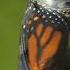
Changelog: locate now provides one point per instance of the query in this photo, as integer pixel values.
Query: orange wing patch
(39, 30)
(47, 52)
(32, 51)
(51, 49)
(46, 35)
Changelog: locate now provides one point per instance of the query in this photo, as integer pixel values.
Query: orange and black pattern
(43, 39)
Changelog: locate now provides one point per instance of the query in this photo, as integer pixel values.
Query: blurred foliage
(11, 14)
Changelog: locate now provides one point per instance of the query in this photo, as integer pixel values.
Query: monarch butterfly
(44, 39)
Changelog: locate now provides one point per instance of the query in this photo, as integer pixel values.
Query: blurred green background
(11, 14)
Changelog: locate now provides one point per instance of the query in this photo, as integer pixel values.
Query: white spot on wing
(36, 18)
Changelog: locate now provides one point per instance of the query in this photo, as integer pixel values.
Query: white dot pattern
(48, 15)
